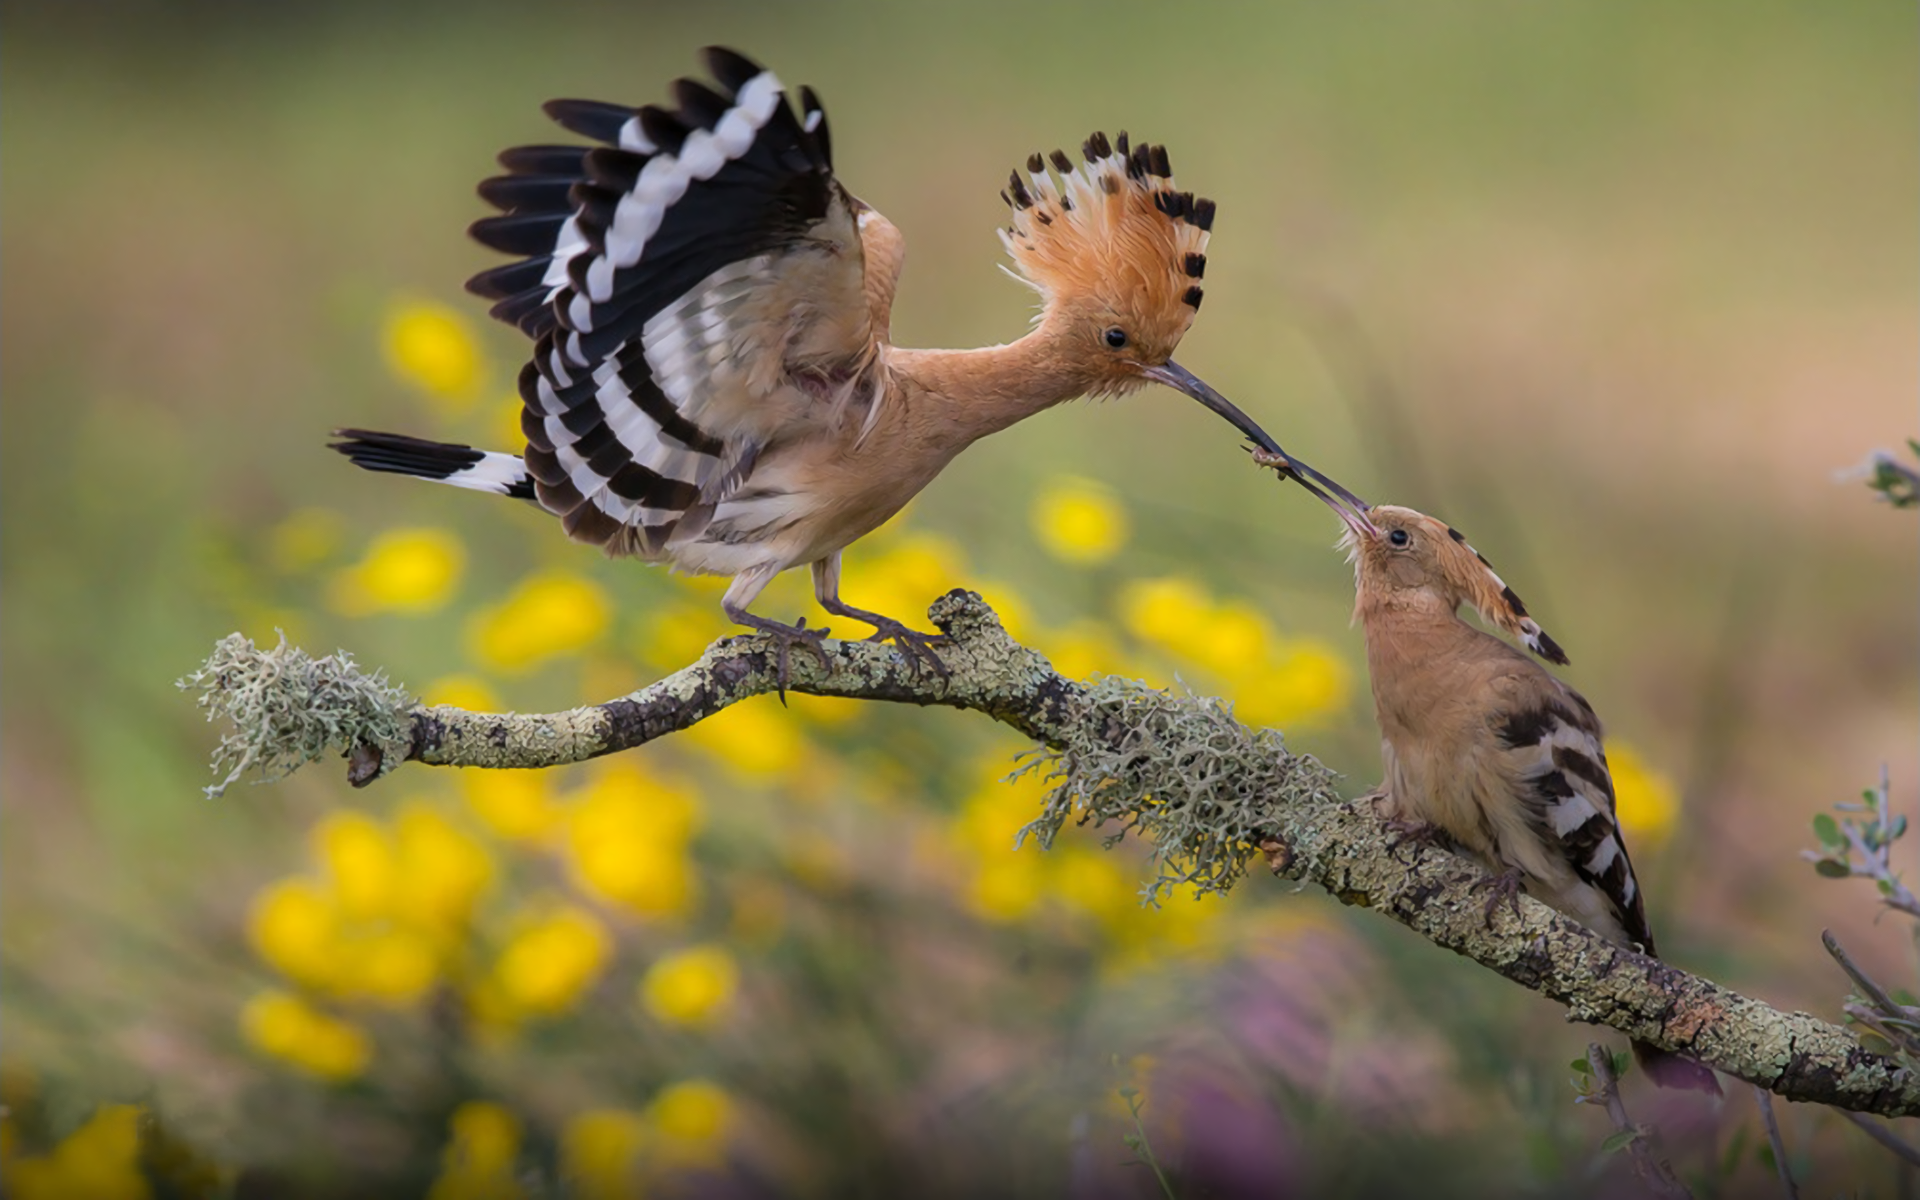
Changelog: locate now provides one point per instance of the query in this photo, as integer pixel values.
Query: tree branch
(1218, 789)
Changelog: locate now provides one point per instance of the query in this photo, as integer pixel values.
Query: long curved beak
(1268, 451)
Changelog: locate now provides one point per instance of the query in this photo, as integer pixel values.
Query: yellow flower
(626, 840)
(432, 347)
(691, 1120)
(1078, 521)
(754, 740)
(359, 858)
(1171, 612)
(1090, 882)
(549, 615)
(1233, 641)
(1007, 888)
(304, 539)
(392, 965)
(405, 570)
(463, 691)
(600, 1153)
(1301, 686)
(553, 959)
(691, 987)
(98, 1161)
(906, 575)
(478, 1163)
(1646, 802)
(1084, 649)
(675, 634)
(444, 869)
(516, 805)
(506, 420)
(295, 927)
(290, 1029)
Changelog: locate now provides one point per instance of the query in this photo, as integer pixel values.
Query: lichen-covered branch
(1207, 791)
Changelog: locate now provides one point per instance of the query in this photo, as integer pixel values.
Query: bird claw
(1418, 834)
(1506, 888)
(916, 647)
(784, 638)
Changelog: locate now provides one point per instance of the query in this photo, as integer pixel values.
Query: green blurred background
(1615, 288)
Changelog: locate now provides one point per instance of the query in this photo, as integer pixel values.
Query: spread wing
(1552, 732)
(694, 288)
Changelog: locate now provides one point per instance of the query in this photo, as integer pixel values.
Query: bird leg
(917, 647)
(741, 592)
(1504, 888)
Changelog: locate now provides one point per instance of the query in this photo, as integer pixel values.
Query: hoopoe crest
(713, 383)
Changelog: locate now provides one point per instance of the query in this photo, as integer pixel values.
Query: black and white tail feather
(660, 274)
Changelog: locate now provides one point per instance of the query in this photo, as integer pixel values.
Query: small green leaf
(1871, 796)
(1832, 868)
(1582, 1065)
(1828, 830)
(1619, 1140)
(1132, 1141)
(1622, 1063)
(1899, 828)
(1885, 886)
(1129, 1092)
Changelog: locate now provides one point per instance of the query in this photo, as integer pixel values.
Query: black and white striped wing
(694, 287)
(1554, 733)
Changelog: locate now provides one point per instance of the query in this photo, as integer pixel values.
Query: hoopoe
(1485, 745)
(712, 383)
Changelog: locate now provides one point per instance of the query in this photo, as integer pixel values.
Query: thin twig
(1652, 1168)
(1880, 1133)
(1774, 1140)
(1900, 1014)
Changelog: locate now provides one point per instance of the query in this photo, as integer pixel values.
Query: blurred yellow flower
(755, 740)
(691, 1120)
(1091, 883)
(516, 805)
(692, 987)
(295, 927)
(433, 348)
(1084, 649)
(463, 691)
(478, 1162)
(675, 634)
(1078, 521)
(549, 615)
(552, 960)
(304, 539)
(900, 576)
(1007, 888)
(358, 857)
(98, 1161)
(1646, 802)
(627, 835)
(1301, 686)
(392, 965)
(405, 570)
(600, 1154)
(1233, 641)
(288, 1028)
(1171, 612)
(444, 869)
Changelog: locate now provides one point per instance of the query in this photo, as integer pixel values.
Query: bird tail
(443, 462)
(1670, 1070)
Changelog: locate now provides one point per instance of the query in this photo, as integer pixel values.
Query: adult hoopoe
(712, 384)
(1482, 743)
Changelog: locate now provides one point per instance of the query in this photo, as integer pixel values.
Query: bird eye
(1399, 537)
(1116, 338)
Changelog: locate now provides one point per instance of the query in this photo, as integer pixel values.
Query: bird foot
(1402, 831)
(1504, 888)
(916, 647)
(785, 638)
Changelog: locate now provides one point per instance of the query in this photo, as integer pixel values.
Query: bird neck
(969, 394)
(1405, 628)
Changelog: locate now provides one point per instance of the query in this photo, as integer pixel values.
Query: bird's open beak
(1345, 506)
(1180, 379)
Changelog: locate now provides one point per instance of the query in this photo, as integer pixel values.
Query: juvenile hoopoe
(1485, 745)
(712, 383)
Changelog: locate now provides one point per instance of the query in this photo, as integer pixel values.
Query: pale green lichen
(288, 708)
(1199, 786)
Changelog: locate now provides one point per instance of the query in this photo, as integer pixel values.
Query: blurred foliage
(1610, 285)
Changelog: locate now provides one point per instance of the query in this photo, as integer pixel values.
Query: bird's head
(1399, 550)
(1117, 252)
